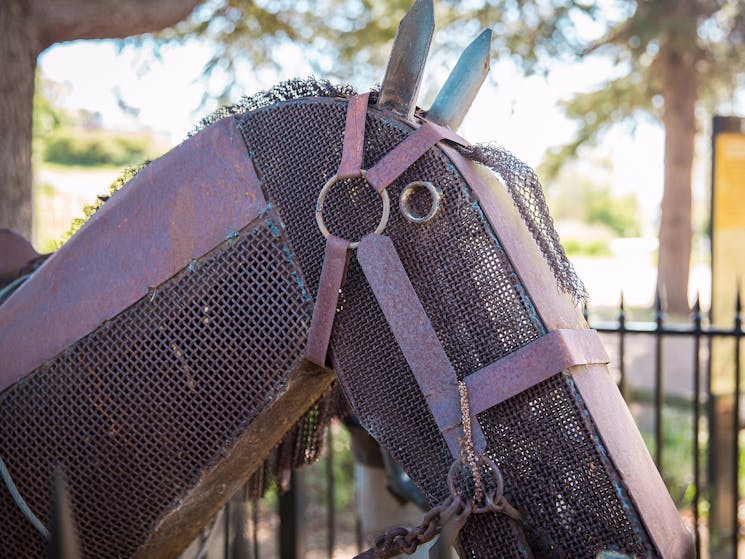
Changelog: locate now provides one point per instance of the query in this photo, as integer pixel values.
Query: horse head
(195, 320)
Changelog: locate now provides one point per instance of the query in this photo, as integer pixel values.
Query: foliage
(77, 146)
(677, 441)
(343, 37)
(592, 247)
(90, 209)
(583, 194)
(343, 472)
(47, 118)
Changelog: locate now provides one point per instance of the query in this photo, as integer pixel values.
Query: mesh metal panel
(473, 298)
(139, 408)
(558, 474)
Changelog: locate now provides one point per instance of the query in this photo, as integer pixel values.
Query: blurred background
(611, 101)
(577, 90)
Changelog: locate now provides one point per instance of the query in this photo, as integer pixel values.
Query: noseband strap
(557, 351)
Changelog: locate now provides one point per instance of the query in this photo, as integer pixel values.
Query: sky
(516, 112)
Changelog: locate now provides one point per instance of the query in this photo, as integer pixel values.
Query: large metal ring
(492, 497)
(406, 193)
(322, 198)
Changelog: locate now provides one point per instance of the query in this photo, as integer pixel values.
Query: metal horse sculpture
(194, 321)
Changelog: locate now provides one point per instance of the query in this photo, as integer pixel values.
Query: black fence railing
(715, 416)
(682, 381)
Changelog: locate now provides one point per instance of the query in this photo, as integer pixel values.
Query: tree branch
(67, 20)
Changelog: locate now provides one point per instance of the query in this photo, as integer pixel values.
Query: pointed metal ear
(63, 540)
(460, 89)
(400, 86)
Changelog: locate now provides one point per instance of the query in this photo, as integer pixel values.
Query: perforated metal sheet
(139, 411)
(476, 304)
(559, 474)
(136, 410)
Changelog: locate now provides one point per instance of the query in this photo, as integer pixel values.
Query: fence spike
(659, 312)
(697, 310)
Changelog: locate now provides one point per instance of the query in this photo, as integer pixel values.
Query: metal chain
(467, 452)
(400, 540)
(453, 511)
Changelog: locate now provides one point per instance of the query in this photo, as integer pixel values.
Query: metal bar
(696, 421)
(403, 76)
(710, 426)
(463, 83)
(330, 495)
(255, 527)
(226, 530)
(623, 387)
(651, 328)
(63, 538)
(291, 528)
(658, 388)
(736, 426)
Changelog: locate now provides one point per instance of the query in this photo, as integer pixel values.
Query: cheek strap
(382, 174)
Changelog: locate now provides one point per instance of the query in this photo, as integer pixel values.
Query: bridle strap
(405, 154)
(380, 176)
(332, 276)
(416, 337)
(336, 254)
(557, 351)
(354, 137)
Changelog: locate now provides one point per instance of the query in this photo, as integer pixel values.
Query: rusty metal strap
(332, 275)
(354, 137)
(416, 337)
(405, 154)
(533, 363)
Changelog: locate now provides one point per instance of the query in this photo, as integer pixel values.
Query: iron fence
(711, 500)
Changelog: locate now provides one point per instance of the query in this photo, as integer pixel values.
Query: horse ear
(403, 76)
(463, 83)
(63, 539)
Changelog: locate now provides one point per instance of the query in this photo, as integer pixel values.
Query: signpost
(727, 275)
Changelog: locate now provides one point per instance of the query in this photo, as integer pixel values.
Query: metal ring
(322, 198)
(406, 193)
(493, 497)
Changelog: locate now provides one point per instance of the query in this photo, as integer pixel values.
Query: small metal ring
(322, 198)
(492, 497)
(406, 193)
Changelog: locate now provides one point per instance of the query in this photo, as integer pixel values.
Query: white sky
(519, 113)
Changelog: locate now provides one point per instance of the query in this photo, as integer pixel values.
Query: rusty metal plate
(174, 210)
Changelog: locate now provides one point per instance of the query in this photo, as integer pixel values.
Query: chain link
(402, 540)
(454, 510)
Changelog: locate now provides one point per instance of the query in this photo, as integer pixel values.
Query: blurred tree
(669, 55)
(27, 27)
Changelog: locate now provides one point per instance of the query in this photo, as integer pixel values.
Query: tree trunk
(27, 27)
(680, 88)
(18, 63)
